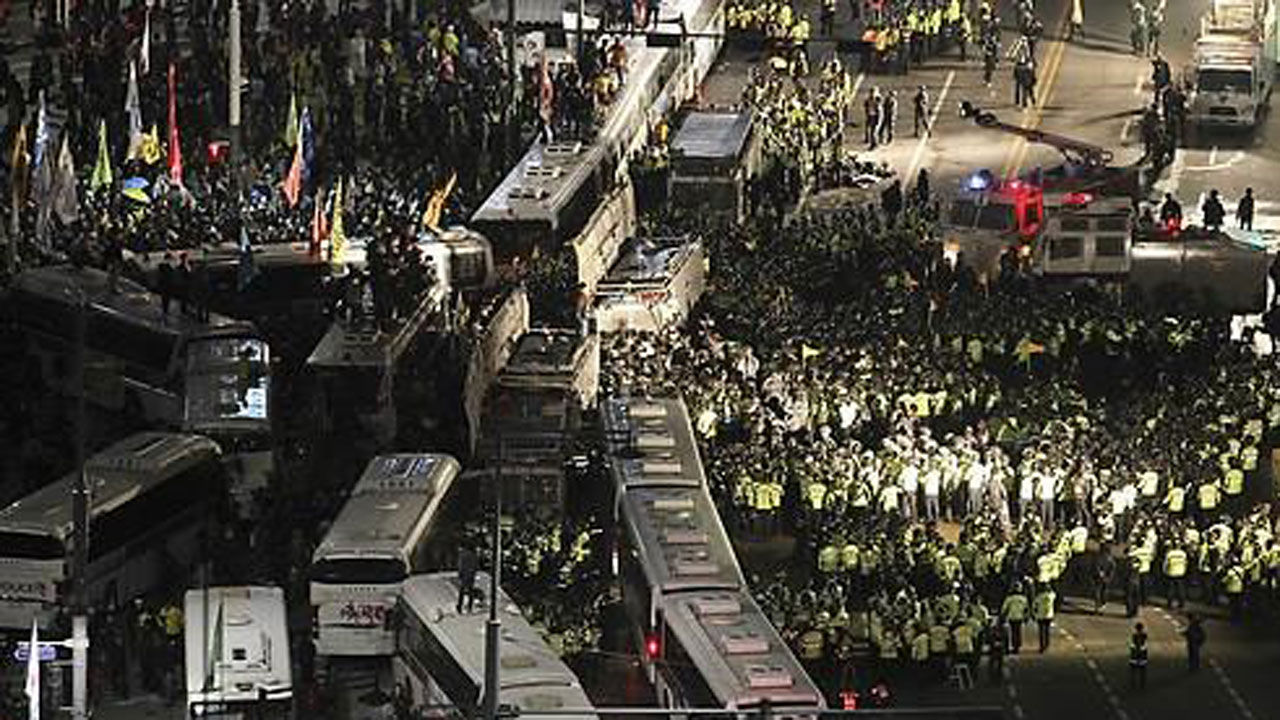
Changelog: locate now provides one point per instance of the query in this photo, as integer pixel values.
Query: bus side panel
(28, 588)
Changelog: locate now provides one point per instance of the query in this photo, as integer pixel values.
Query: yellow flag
(102, 168)
(337, 236)
(807, 352)
(291, 123)
(151, 152)
(435, 205)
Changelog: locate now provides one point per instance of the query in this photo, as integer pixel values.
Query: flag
(102, 168)
(291, 123)
(33, 673)
(150, 147)
(1026, 348)
(18, 161)
(307, 141)
(42, 134)
(546, 93)
(247, 270)
(175, 145)
(435, 206)
(133, 109)
(337, 237)
(66, 200)
(806, 352)
(302, 155)
(319, 225)
(146, 42)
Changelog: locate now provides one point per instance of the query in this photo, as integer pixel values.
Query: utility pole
(80, 547)
(234, 80)
(493, 629)
(513, 108)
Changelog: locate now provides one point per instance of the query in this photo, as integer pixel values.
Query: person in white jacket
(1077, 20)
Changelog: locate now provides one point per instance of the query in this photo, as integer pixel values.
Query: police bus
(211, 378)
(357, 363)
(440, 653)
(150, 496)
(706, 643)
(394, 524)
(569, 193)
(237, 653)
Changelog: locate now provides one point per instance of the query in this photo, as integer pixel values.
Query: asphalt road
(1092, 89)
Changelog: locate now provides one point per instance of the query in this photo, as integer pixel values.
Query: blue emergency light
(981, 180)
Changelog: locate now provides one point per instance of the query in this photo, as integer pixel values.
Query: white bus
(150, 496)
(211, 378)
(704, 641)
(394, 524)
(237, 654)
(440, 652)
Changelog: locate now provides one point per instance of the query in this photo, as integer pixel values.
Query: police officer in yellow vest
(1233, 488)
(1208, 496)
(1042, 610)
(1233, 586)
(1014, 612)
(1175, 574)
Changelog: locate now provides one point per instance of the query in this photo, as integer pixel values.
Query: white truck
(1233, 66)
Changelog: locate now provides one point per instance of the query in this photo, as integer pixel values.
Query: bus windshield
(31, 547)
(1224, 80)
(357, 571)
(227, 378)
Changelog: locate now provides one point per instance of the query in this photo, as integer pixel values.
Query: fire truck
(1076, 222)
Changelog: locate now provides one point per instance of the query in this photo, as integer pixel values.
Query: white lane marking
(918, 155)
(1235, 157)
(1138, 83)
(1018, 713)
(1124, 131)
(1213, 155)
(1011, 691)
(857, 85)
(1231, 689)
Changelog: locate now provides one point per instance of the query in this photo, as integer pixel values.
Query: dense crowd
(852, 386)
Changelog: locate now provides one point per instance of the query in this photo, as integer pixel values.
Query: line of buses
(380, 588)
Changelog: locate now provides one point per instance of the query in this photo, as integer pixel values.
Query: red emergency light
(1078, 198)
(217, 152)
(652, 648)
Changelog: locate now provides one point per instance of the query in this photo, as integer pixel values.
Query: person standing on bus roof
(467, 562)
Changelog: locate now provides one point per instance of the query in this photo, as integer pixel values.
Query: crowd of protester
(854, 387)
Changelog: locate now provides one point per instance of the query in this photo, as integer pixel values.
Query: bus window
(1113, 224)
(1066, 248)
(996, 217)
(1110, 245)
(963, 213)
(1075, 224)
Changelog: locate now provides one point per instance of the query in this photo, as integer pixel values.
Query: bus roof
(738, 652)
(533, 676)
(64, 283)
(680, 540)
(648, 261)
(237, 643)
(712, 135)
(540, 186)
(115, 475)
(396, 498)
(362, 344)
(651, 444)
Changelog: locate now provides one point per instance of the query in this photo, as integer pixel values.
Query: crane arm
(1076, 152)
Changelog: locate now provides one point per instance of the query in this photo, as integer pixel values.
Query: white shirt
(910, 478)
(932, 483)
(1027, 488)
(1047, 486)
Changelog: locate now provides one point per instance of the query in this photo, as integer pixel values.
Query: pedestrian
(1077, 20)
(827, 18)
(1171, 213)
(997, 646)
(1042, 609)
(1212, 211)
(467, 565)
(1195, 636)
(1138, 658)
(888, 117)
(1104, 571)
(1244, 210)
(1014, 613)
(164, 282)
(920, 106)
(871, 109)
